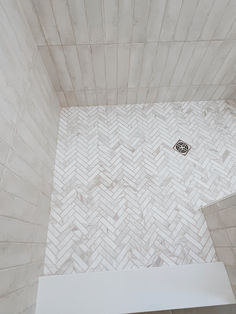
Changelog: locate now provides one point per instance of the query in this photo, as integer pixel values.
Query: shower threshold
(143, 290)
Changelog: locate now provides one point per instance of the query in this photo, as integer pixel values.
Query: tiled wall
(221, 221)
(136, 51)
(28, 130)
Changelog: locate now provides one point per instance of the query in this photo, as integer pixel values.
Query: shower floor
(123, 198)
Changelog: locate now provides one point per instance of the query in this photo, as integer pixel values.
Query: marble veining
(123, 198)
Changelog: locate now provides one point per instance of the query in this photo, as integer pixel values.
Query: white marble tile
(124, 199)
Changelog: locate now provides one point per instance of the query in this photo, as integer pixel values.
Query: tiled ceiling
(136, 51)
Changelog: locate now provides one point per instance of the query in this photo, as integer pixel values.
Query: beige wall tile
(232, 235)
(226, 255)
(220, 238)
(221, 220)
(29, 114)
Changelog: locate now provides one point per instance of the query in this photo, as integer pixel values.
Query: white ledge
(150, 289)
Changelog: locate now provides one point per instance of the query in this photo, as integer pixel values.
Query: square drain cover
(182, 147)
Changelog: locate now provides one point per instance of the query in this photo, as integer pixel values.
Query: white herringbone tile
(124, 199)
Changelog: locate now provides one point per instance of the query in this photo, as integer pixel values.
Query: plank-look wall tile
(216, 62)
(98, 57)
(79, 21)
(63, 21)
(111, 96)
(226, 21)
(156, 15)
(135, 64)
(111, 62)
(149, 54)
(33, 20)
(213, 19)
(110, 19)
(125, 21)
(58, 55)
(174, 51)
(85, 58)
(170, 20)
(159, 63)
(135, 45)
(199, 19)
(95, 20)
(29, 114)
(196, 58)
(91, 97)
(50, 66)
(73, 67)
(185, 18)
(102, 96)
(47, 21)
(140, 20)
(183, 62)
(81, 98)
(123, 65)
(227, 72)
(71, 98)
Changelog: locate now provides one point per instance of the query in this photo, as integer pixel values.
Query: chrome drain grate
(182, 147)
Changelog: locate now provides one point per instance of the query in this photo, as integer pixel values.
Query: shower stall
(117, 156)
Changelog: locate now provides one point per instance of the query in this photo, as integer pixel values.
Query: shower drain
(182, 147)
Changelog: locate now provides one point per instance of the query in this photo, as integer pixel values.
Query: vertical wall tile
(199, 19)
(182, 63)
(195, 61)
(125, 22)
(121, 96)
(171, 17)
(47, 21)
(79, 21)
(123, 65)
(142, 95)
(157, 11)
(102, 97)
(149, 54)
(98, 56)
(111, 21)
(140, 17)
(73, 65)
(187, 11)
(33, 21)
(63, 21)
(85, 58)
(81, 98)
(111, 65)
(91, 97)
(132, 96)
(174, 52)
(61, 66)
(29, 112)
(135, 64)
(71, 98)
(213, 19)
(211, 52)
(159, 64)
(225, 75)
(226, 21)
(112, 96)
(216, 62)
(95, 20)
(50, 66)
(62, 99)
(151, 94)
(132, 44)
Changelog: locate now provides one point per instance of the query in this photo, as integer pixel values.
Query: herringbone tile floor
(124, 199)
